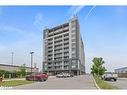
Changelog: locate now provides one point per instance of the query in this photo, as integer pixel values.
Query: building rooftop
(121, 68)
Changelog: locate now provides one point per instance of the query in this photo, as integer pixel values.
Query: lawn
(103, 84)
(15, 83)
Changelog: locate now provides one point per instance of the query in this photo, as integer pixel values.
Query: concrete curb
(96, 84)
(14, 79)
(52, 77)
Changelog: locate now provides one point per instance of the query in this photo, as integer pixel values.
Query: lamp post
(31, 53)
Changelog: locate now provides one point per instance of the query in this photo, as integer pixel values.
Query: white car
(64, 75)
(60, 75)
(109, 76)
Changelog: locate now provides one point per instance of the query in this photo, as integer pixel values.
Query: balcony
(66, 46)
(58, 43)
(58, 68)
(58, 37)
(66, 57)
(66, 29)
(58, 58)
(49, 57)
(59, 64)
(66, 67)
(66, 64)
(58, 55)
(58, 47)
(50, 33)
(50, 40)
(66, 54)
(58, 32)
(66, 35)
(49, 65)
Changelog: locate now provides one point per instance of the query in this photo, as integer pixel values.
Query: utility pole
(12, 58)
(35, 67)
(31, 53)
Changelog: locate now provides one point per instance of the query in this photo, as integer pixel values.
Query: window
(73, 49)
(73, 30)
(73, 23)
(73, 40)
(73, 35)
(73, 55)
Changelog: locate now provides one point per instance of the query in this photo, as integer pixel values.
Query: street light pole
(31, 53)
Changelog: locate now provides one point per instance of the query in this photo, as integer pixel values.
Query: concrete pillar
(78, 72)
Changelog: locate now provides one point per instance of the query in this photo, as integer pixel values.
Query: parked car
(71, 75)
(64, 75)
(109, 76)
(60, 75)
(37, 77)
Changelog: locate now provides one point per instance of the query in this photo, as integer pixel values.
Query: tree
(4, 73)
(22, 70)
(97, 67)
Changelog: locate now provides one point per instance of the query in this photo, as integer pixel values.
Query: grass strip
(103, 84)
(15, 83)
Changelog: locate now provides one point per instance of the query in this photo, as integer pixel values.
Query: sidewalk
(50, 77)
(14, 79)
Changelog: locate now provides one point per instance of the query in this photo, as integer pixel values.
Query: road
(121, 83)
(76, 82)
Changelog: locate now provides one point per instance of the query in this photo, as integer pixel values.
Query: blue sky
(103, 28)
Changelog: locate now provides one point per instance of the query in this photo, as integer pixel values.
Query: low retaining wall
(122, 75)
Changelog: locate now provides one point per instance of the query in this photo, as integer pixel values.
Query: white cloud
(38, 19)
(88, 14)
(74, 10)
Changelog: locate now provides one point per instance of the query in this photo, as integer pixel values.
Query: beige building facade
(63, 49)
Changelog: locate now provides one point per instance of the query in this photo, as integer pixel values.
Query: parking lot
(121, 83)
(76, 82)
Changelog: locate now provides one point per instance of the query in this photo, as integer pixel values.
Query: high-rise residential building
(63, 49)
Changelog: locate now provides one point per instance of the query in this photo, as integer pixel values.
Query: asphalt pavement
(121, 83)
(76, 82)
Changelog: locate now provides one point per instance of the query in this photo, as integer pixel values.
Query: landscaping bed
(15, 83)
(103, 84)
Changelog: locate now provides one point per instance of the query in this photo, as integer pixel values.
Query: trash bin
(1, 79)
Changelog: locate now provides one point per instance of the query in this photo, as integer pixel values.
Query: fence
(122, 75)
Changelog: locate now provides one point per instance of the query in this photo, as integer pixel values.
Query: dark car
(37, 77)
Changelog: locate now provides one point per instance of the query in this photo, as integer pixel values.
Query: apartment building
(63, 49)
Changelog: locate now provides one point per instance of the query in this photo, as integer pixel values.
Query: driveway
(120, 83)
(77, 82)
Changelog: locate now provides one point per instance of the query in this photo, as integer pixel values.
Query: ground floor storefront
(75, 72)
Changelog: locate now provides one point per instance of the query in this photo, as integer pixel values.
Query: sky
(103, 29)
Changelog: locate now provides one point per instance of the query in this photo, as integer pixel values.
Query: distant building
(13, 68)
(121, 70)
(63, 49)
